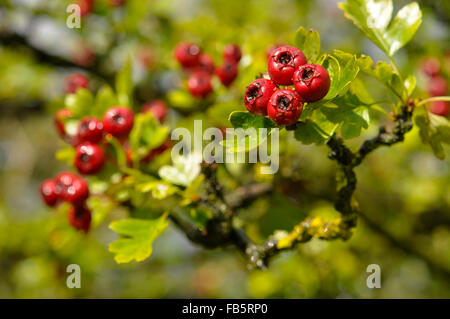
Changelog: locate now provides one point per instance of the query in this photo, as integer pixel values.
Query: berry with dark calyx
(48, 192)
(80, 218)
(75, 81)
(431, 67)
(282, 64)
(118, 121)
(71, 188)
(232, 53)
(227, 72)
(89, 158)
(90, 130)
(199, 84)
(257, 96)
(284, 107)
(187, 54)
(59, 117)
(206, 63)
(157, 107)
(272, 48)
(437, 86)
(312, 82)
(441, 108)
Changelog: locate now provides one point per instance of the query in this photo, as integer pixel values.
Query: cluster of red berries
(287, 66)
(70, 188)
(89, 150)
(201, 67)
(437, 86)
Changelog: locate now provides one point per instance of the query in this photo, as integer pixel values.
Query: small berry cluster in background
(437, 86)
(90, 150)
(86, 6)
(70, 188)
(200, 67)
(287, 66)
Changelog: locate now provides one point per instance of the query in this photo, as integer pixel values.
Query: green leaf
(318, 129)
(372, 17)
(124, 85)
(308, 41)
(403, 28)
(80, 103)
(119, 151)
(249, 139)
(410, 84)
(434, 130)
(160, 190)
(137, 238)
(341, 77)
(181, 99)
(184, 170)
(147, 134)
(104, 100)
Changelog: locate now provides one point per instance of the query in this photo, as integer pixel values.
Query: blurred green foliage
(404, 192)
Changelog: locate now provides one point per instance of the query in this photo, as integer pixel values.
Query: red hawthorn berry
(284, 107)
(312, 82)
(282, 64)
(206, 63)
(441, 108)
(157, 107)
(85, 6)
(227, 72)
(118, 121)
(71, 188)
(187, 54)
(232, 53)
(80, 218)
(89, 158)
(58, 119)
(157, 151)
(90, 130)
(431, 67)
(257, 96)
(48, 192)
(75, 81)
(199, 84)
(437, 86)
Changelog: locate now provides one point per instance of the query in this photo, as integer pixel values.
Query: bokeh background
(404, 192)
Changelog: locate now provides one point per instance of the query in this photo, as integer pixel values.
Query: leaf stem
(433, 99)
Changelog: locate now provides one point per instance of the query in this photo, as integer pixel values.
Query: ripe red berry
(284, 107)
(71, 188)
(431, 67)
(271, 48)
(199, 84)
(80, 218)
(157, 107)
(312, 82)
(90, 130)
(48, 192)
(187, 54)
(437, 86)
(441, 108)
(89, 158)
(283, 62)
(75, 81)
(257, 96)
(59, 117)
(227, 72)
(206, 63)
(85, 6)
(232, 53)
(118, 121)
